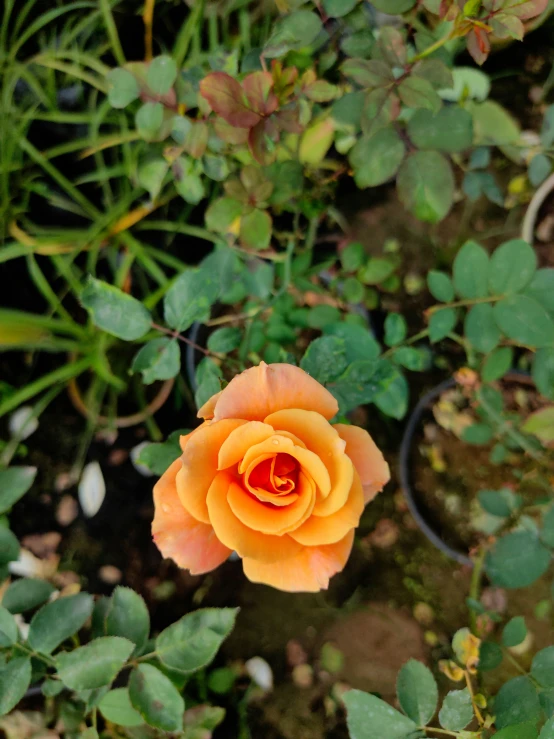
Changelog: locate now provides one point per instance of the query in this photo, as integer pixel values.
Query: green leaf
(542, 667)
(369, 74)
(358, 341)
(392, 395)
(393, 7)
(518, 731)
(470, 271)
(396, 329)
(224, 340)
(547, 731)
(469, 83)
(338, 8)
(441, 323)
(416, 92)
(353, 256)
(291, 32)
(477, 433)
(157, 457)
(9, 633)
(501, 502)
(376, 271)
(156, 699)
(425, 185)
(497, 364)
(222, 213)
(190, 298)
(524, 320)
(511, 267)
(114, 311)
(414, 359)
(9, 546)
(490, 656)
(14, 681)
(436, 72)
(517, 560)
(26, 594)
(159, 359)
(95, 664)
(14, 483)
(353, 291)
(492, 125)
(205, 390)
(149, 119)
(440, 286)
(325, 358)
(517, 702)
(161, 75)
(450, 130)
(417, 692)
(123, 87)
(480, 328)
(192, 642)
(538, 170)
(541, 424)
(514, 632)
(116, 707)
(57, 621)
(151, 176)
(190, 187)
(222, 680)
(541, 288)
(127, 616)
(368, 717)
(375, 159)
(543, 372)
(255, 229)
(456, 711)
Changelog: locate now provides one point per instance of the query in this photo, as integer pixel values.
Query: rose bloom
(267, 476)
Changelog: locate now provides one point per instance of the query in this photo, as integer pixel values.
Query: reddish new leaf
(478, 44)
(258, 88)
(226, 98)
(523, 9)
(230, 134)
(260, 142)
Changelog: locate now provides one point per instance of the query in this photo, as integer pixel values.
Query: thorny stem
(180, 337)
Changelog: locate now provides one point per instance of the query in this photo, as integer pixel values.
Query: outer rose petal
(329, 529)
(207, 410)
(262, 390)
(245, 541)
(307, 572)
(370, 464)
(199, 465)
(178, 536)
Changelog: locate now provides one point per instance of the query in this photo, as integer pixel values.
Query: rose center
(276, 476)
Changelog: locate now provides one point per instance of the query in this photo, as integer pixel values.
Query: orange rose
(266, 475)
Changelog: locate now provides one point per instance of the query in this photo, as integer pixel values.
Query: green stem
(112, 32)
(431, 49)
(47, 660)
(187, 33)
(44, 288)
(412, 340)
(475, 586)
(181, 228)
(62, 374)
(461, 303)
(514, 662)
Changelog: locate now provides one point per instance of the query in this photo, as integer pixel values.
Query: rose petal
(322, 439)
(178, 536)
(264, 389)
(307, 460)
(207, 410)
(329, 529)
(269, 519)
(199, 465)
(370, 464)
(237, 536)
(239, 442)
(307, 572)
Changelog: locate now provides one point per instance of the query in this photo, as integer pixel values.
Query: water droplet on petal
(276, 442)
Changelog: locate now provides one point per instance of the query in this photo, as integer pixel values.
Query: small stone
(117, 456)
(303, 676)
(260, 673)
(64, 481)
(67, 510)
(494, 599)
(110, 574)
(296, 655)
(385, 535)
(424, 614)
(42, 544)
